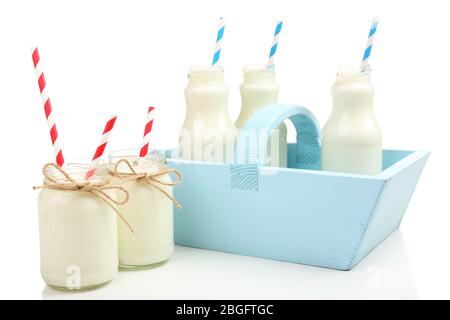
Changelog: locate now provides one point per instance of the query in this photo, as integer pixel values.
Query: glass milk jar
(149, 209)
(208, 133)
(78, 229)
(351, 138)
(260, 89)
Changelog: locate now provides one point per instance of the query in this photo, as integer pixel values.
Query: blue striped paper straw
(373, 30)
(219, 41)
(274, 47)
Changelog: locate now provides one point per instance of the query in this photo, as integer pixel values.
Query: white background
(106, 57)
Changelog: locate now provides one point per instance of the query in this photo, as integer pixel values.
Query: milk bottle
(149, 209)
(208, 132)
(258, 90)
(77, 230)
(351, 138)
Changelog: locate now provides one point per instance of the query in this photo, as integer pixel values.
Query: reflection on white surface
(200, 274)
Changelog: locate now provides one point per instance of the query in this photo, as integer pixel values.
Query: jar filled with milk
(149, 208)
(351, 138)
(208, 133)
(258, 90)
(78, 226)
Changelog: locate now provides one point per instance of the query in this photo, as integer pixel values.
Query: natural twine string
(150, 178)
(99, 189)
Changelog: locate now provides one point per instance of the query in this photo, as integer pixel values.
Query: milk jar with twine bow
(78, 225)
(149, 208)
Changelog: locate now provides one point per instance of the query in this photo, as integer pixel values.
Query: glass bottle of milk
(351, 138)
(77, 231)
(208, 133)
(148, 210)
(258, 90)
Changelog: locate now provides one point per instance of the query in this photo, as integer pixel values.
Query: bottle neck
(206, 93)
(258, 89)
(353, 90)
(355, 96)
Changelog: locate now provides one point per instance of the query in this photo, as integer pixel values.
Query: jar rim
(153, 159)
(77, 169)
(353, 70)
(206, 72)
(250, 68)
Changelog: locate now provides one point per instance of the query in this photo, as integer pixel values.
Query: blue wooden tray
(297, 214)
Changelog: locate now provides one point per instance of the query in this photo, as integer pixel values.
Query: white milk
(258, 90)
(78, 236)
(351, 139)
(148, 211)
(208, 133)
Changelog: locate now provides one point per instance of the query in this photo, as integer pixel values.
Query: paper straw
(274, 47)
(101, 146)
(47, 107)
(219, 41)
(147, 130)
(373, 30)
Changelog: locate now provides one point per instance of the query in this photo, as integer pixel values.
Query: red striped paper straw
(101, 146)
(47, 107)
(148, 129)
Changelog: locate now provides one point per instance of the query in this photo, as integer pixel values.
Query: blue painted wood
(399, 182)
(259, 127)
(298, 214)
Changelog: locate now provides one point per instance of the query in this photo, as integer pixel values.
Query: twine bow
(98, 189)
(149, 178)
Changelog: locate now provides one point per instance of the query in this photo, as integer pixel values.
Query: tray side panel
(389, 211)
(291, 216)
